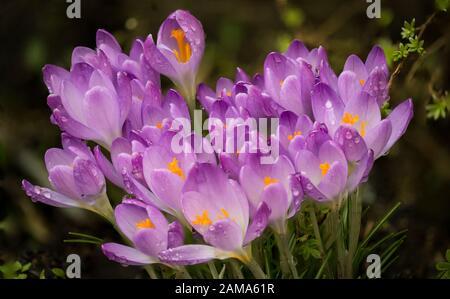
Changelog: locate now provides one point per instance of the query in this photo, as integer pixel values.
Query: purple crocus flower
(165, 173)
(74, 176)
(289, 82)
(371, 77)
(323, 170)
(109, 58)
(148, 231)
(218, 209)
(317, 59)
(125, 154)
(273, 184)
(292, 132)
(363, 113)
(178, 50)
(86, 103)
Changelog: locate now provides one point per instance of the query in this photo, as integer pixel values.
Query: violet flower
(148, 231)
(371, 77)
(75, 178)
(178, 51)
(363, 113)
(86, 103)
(275, 185)
(218, 209)
(289, 82)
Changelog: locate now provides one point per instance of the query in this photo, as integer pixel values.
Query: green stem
(236, 269)
(183, 272)
(151, 271)
(287, 262)
(213, 270)
(256, 270)
(312, 213)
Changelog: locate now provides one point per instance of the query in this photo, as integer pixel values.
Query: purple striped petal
(126, 255)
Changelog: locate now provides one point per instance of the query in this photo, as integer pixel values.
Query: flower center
(202, 219)
(183, 54)
(350, 119)
(268, 180)
(175, 168)
(158, 125)
(362, 82)
(146, 223)
(324, 167)
(296, 133)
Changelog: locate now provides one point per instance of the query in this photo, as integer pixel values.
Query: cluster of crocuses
(330, 132)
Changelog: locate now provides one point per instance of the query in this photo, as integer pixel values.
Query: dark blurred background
(238, 33)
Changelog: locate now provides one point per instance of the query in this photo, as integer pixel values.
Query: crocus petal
(296, 50)
(141, 192)
(206, 96)
(351, 142)
(72, 100)
(311, 190)
(166, 186)
(348, 86)
(129, 214)
(47, 196)
(157, 60)
(225, 234)
(190, 255)
(175, 235)
(308, 165)
(258, 224)
(377, 85)
(57, 156)
(150, 241)
(102, 113)
(107, 43)
(73, 127)
(326, 105)
(53, 77)
(62, 179)
(360, 168)
(399, 118)
(334, 181)
(126, 255)
(107, 168)
(376, 58)
(88, 178)
(378, 137)
(355, 65)
(276, 197)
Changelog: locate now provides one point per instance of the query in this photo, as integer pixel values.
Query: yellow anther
(362, 81)
(362, 132)
(174, 168)
(228, 93)
(350, 119)
(146, 223)
(183, 54)
(268, 180)
(296, 133)
(202, 219)
(158, 125)
(324, 167)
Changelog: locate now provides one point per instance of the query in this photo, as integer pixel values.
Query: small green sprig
(412, 43)
(444, 267)
(15, 270)
(439, 108)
